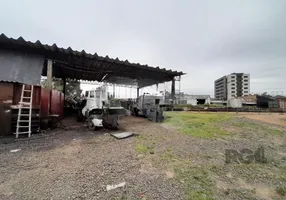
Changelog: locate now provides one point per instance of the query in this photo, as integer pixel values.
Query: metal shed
(68, 63)
(25, 62)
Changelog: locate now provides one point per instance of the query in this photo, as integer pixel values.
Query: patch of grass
(203, 125)
(281, 176)
(168, 157)
(281, 191)
(273, 131)
(141, 137)
(141, 148)
(252, 126)
(197, 183)
(246, 125)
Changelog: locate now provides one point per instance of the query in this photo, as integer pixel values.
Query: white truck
(148, 106)
(97, 109)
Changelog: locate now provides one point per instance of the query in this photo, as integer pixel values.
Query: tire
(90, 124)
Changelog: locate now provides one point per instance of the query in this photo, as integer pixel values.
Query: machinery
(97, 109)
(148, 106)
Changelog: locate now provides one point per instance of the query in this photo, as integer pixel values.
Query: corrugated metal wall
(6, 100)
(52, 102)
(57, 103)
(45, 102)
(21, 67)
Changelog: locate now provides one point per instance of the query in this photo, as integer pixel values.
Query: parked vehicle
(148, 106)
(97, 109)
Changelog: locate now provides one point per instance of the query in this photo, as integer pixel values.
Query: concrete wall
(208, 100)
(220, 88)
(192, 102)
(234, 103)
(193, 99)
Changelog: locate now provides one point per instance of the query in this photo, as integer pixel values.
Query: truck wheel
(90, 124)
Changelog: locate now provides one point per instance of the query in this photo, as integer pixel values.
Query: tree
(72, 87)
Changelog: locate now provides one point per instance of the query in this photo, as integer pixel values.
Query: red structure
(46, 101)
(52, 102)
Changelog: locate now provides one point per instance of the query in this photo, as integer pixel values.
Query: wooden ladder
(26, 103)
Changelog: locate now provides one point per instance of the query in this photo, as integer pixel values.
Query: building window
(245, 77)
(246, 88)
(97, 94)
(91, 95)
(232, 76)
(232, 84)
(233, 88)
(246, 84)
(232, 91)
(245, 80)
(232, 80)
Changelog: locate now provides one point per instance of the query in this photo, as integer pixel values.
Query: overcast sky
(204, 38)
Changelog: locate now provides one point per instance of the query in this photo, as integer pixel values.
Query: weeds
(197, 183)
(141, 148)
(281, 191)
(202, 125)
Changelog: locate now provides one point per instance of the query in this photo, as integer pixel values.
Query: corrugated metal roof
(72, 64)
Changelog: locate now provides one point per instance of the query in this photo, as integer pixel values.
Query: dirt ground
(272, 118)
(160, 162)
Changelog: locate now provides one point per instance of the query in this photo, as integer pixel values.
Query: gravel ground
(79, 163)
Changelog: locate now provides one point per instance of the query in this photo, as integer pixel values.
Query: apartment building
(231, 86)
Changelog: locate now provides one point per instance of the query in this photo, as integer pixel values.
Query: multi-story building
(231, 86)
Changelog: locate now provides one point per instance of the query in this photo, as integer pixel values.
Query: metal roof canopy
(68, 63)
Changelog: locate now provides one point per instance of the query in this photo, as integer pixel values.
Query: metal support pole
(173, 91)
(157, 87)
(138, 92)
(64, 89)
(50, 74)
(113, 91)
